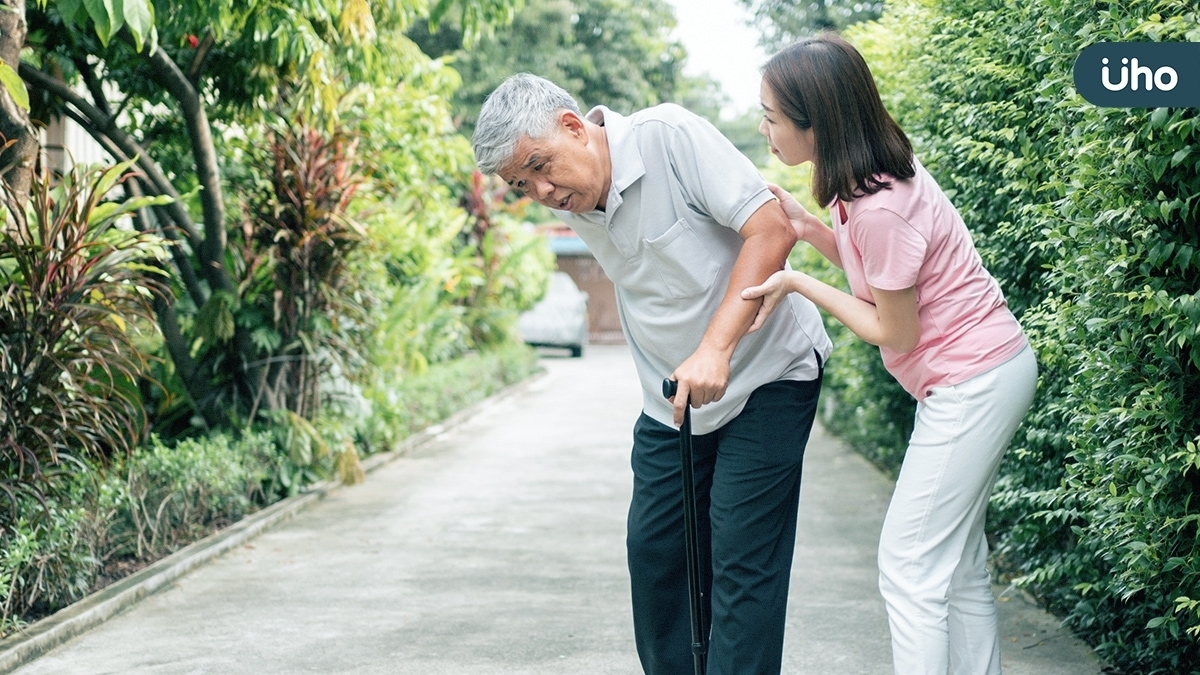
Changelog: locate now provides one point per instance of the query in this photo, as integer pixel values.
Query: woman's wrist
(795, 281)
(810, 224)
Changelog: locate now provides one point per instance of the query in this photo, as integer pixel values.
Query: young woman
(921, 294)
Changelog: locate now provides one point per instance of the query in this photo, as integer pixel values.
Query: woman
(921, 294)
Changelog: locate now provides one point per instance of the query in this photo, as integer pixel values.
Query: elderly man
(681, 222)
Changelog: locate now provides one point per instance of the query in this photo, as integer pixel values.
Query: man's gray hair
(523, 105)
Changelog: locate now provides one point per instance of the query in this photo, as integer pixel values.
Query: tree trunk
(18, 160)
(204, 153)
(212, 253)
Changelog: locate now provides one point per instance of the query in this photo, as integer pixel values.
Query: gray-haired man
(681, 222)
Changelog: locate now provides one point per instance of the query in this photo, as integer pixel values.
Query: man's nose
(544, 189)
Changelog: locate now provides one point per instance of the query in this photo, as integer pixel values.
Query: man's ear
(572, 124)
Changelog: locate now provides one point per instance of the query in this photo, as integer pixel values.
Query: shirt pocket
(682, 261)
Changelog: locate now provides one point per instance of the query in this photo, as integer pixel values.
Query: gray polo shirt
(668, 239)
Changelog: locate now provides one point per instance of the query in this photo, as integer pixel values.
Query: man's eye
(539, 167)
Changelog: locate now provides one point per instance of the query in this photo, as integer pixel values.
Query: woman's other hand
(771, 291)
(796, 214)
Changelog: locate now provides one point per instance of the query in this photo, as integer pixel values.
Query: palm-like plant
(290, 256)
(75, 285)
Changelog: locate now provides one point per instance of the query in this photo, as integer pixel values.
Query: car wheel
(576, 351)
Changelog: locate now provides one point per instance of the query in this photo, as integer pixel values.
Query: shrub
(409, 404)
(74, 285)
(100, 523)
(44, 563)
(164, 497)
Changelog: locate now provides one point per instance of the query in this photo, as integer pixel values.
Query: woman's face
(791, 145)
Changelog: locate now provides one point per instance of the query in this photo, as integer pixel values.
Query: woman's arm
(809, 228)
(891, 322)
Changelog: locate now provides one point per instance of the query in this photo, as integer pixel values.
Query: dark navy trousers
(747, 476)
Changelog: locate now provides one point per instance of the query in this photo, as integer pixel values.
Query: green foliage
(448, 262)
(14, 85)
(305, 455)
(101, 522)
(611, 52)
(405, 404)
(784, 21)
(108, 18)
(1088, 217)
(44, 564)
(74, 286)
(422, 322)
(164, 497)
(446, 292)
(215, 74)
(477, 17)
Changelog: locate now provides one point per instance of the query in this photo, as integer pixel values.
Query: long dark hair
(823, 83)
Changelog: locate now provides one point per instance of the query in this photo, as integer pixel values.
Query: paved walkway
(499, 548)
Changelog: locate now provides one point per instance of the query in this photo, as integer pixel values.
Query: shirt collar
(623, 153)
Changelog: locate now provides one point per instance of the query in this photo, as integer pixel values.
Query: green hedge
(100, 523)
(1088, 217)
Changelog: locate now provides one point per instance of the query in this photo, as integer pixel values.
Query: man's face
(562, 171)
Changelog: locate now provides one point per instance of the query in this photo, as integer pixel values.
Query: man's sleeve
(717, 178)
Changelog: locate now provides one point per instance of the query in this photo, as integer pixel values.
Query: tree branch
(182, 262)
(104, 141)
(92, 84)
(212, 257)
(100, 125)
(202, 50)
(204, 152)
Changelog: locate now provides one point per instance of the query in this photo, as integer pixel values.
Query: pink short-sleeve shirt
(911, 235)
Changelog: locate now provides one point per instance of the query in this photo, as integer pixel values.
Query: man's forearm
(764, 252)
(767, 238)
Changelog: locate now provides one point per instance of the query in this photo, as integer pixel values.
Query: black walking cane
(699, 646)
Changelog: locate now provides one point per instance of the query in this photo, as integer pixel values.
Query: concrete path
(499, 548)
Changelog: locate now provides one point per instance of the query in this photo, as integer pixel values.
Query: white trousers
(932, 551)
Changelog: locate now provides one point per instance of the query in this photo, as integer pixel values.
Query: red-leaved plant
(75, 286)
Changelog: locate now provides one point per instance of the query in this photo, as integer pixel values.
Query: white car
(560, 319)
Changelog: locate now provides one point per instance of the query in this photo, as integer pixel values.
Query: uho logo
(1140, 74)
